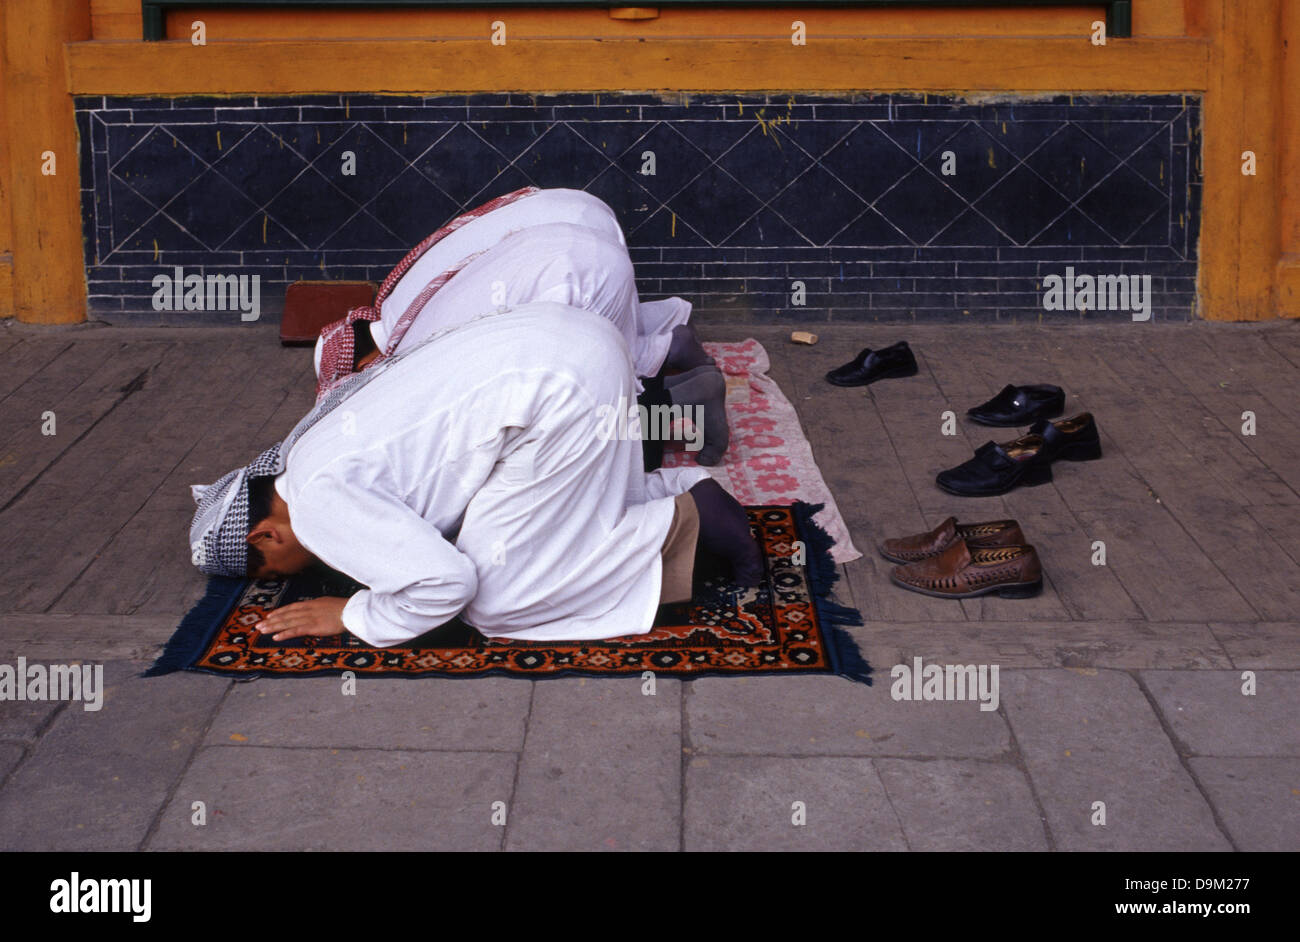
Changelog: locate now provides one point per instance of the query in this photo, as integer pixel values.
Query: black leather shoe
(1073, 439)
(871, 365)
(996, 469)
(1020, 405)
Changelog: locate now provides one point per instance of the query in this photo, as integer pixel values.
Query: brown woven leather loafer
(1013, 572)
(913, 549)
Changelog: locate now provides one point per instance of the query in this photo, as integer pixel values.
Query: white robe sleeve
(417, 580)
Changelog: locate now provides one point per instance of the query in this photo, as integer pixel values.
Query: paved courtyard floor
(1160, 689)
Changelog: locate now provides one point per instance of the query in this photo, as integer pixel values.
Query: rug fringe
(823, 573)
(198, 626)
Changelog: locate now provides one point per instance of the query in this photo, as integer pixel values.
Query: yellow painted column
(1240, 224)
(1288, 269)
(6, 232)
(49, 279)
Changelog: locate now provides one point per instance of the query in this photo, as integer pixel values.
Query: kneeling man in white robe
(476, 475)
(548, 245)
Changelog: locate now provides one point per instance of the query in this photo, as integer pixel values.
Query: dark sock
(685, 352)
(707, 388)
(724, 532)
(652, 452)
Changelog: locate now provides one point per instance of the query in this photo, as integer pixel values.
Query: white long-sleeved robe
(559, 262)
(558, 245)
(478, 475)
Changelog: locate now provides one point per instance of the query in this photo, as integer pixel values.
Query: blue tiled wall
(750, 194)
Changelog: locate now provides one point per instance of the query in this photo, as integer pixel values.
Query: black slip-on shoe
(1020, 405)
(1072, 439)
(996, 469)
(871, 365)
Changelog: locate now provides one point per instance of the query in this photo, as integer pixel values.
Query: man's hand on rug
(320, 617)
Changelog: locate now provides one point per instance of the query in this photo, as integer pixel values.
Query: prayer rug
(787, 625)
(769, 460)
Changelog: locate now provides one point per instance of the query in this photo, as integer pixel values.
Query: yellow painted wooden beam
(49, 280)
(6, 229)
(1015, 65)
(1240, 225)
(1288, 286)
(1289, 131)
(6, 285)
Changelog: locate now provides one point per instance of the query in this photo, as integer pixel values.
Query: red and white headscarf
(338, 346)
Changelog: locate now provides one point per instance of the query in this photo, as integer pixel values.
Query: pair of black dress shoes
(1027, 461)
(871, 365)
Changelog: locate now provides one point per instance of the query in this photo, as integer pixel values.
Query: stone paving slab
(1258, 799)
(64, 638)
(1210, 715)
(1090, 736)
(1261, 645)
(96, 780)
(834, 716)
(10, 755)
(1013, 644)
(22, 720)
(485, 714)
(963, 805)
(739, 803)
(337, 799)
(601, 769)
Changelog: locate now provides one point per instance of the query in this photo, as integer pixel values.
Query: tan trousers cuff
(678, 553)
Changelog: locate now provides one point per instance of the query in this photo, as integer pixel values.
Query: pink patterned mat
(769, 460)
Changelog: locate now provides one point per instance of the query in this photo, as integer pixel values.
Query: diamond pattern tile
(1122, 202)
(1022, 204)
(921, 139)
(459, 163)
(1072, 162)
(817, 205)
(259, 166)
(562, 158)
(714, 204)
(980, 161)
(815, 138)
(312, 208)
(970, 228)
(210, 209)
(744, 176)
(920, 205)
(148, 168)
(676, 161)
(766, 165)
(868, 161)
(373, 164)
(412, 207)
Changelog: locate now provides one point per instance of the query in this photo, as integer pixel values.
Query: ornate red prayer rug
(787, 625)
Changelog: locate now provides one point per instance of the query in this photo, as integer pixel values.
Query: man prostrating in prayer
(535, 245)
(474, 475)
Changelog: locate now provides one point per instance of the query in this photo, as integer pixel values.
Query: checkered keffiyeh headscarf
(219, 531)
(338, 346)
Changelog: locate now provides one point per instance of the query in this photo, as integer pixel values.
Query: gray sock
(705, 387)
(685, 352)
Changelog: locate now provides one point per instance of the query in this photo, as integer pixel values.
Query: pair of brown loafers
(963, 560)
